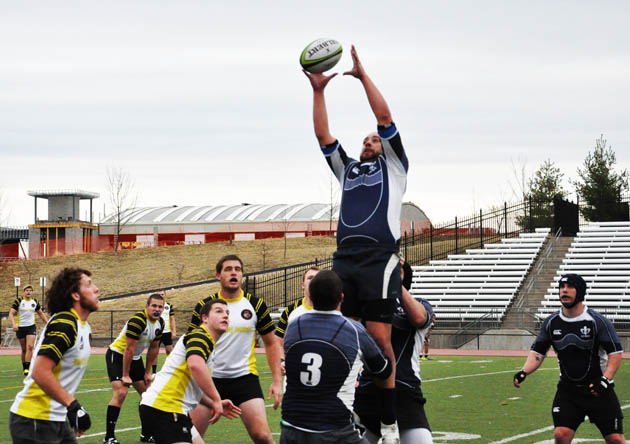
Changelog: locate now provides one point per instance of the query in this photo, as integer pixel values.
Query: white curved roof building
(240, 221)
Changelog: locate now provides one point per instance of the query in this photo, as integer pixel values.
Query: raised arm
(375, 98)
(320, 115)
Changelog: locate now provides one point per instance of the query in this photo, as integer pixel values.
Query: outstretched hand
(357, 69)
(318, 81)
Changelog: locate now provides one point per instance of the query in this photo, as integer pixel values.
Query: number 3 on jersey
(312, 375)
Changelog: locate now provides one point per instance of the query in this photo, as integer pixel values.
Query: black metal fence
(282, 286)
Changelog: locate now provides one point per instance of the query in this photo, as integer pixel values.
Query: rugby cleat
(110, 441)
(146, 438)
(389, 433)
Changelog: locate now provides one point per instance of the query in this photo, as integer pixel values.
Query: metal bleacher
(481, 283)
(600, 253)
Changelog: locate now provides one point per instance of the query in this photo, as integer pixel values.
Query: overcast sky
(204, 101)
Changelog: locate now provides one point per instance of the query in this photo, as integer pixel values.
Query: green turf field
(470, 400)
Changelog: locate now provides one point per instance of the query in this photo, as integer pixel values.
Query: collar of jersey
(74, 312)
(240, 296)
(209, 334)
(330, 312)
(580, 317)
(148, 318)
(308, 307)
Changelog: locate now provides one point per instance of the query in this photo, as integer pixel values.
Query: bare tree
(520, 179)
(122, 198)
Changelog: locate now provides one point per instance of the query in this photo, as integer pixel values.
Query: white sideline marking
(455, 396)
(535, 432)
(514, 398)
(102, 433)
(480, 374)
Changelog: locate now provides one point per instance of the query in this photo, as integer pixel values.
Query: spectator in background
(25, 328)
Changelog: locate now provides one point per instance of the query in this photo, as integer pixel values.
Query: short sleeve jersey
(169, 311)
(582, 344)
(291, 313)
(65, 340)
(323, 356)
(141, 328)
(234, 353)
(25, 309)
(371, 192)
(174, 390)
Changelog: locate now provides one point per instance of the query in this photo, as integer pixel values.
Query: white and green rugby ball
(321, 55)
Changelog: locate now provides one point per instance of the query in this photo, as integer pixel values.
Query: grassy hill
(150, 268)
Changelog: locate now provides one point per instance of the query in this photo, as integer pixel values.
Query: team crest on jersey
(557, 332)
(585, 331)
(246, 314)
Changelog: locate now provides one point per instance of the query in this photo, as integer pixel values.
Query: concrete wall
(504, 339)
(34, 237)
(63, 207)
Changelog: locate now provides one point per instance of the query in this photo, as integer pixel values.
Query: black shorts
(166, 427)
(348, 434)
(26, 331)
(27, 431)
(240, 389)
(167, 339)
(409, 408)
(115, 364)
(371, 282)
(571, 405)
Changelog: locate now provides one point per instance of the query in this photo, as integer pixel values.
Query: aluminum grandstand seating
(480, 283)
(601, 255)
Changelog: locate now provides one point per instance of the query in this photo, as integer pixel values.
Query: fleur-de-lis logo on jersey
(585, 331)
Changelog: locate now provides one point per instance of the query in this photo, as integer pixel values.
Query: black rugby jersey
(581, 343)
(324, 351)
(407, 342)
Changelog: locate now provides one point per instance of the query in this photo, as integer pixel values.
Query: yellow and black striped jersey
(234, 353)
(140, 328)
(65, 340)
(169, 311)
(174, 390)
(290, 313)
(25, 309)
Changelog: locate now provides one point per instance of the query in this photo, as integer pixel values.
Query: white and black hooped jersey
(169, 311)
(371, 192)
(65, 340)
(291, 313)
(140, 328)
(324, 352)
(582, 344)
(407, 342)
(234, 353)
(25, 309)
(174, 390)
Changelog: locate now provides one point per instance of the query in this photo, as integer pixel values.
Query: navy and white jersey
(371, 192)
(582, 344)
(324, 352)
(407, 342)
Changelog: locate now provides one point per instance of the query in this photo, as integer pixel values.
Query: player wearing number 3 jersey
(324, 352)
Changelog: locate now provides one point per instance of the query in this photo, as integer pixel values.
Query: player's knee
(262, 437)
(615, 438)
(562, 435)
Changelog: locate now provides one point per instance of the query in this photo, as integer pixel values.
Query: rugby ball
(321, 55)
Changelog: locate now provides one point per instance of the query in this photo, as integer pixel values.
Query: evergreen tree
(542, 188)
(600, 186)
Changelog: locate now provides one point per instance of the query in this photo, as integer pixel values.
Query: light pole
(17, 281)
(42, 283)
